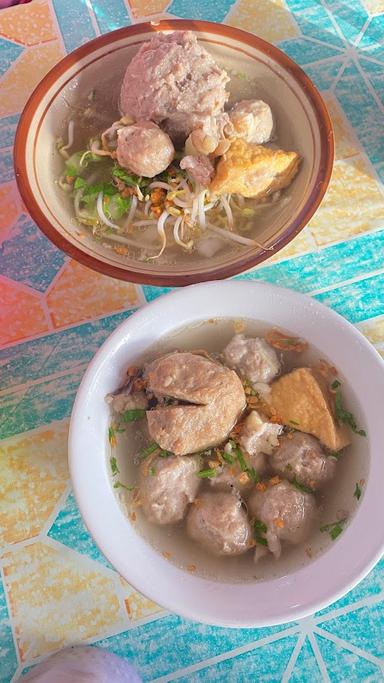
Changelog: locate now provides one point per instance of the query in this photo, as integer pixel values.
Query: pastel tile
(80, 293)
(34, 476)
(215, 10)
(364, 632)
(9, 52)
(306, 664)
(344, 665)
(8, 127)
(10, 208)
(305, 51)
(152, 293)
(362, 110)
(353, 203)
(375, 73)
(19, 81)
(374, 6)
(28, 256)
(358, 300)
(111, 14)
(170, 643)
(8, 656)
(33, 25)
(350, 17)
(54, 586)
(74, 21)
(268, 19)
(371, 42)
(69, 529)
(262, 664)
(55, 353)
(21, 312)
(346, 143)
(324, 74)
(315, 22)
(146, 8)
(137, 605)
(301, 244)
(374, 331)
(6, 165)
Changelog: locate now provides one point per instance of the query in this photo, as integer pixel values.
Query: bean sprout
(176, 235)
(200, 207)
(131, 214)
(71, 137)
(237, 238)
(161, 230)
(101, 214)
(225, 204)
(161, 185)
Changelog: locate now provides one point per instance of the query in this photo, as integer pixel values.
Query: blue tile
(350, 17)
(28, 256)
(214, 10)
(343, 665)
(324, 74)
(375, 73)
(152, 293)
(9, 52)
(6, 165)
(305, 51)
(372, 42)
(315, 22)
(306, 668)
(171, 643)
(69, 529)
(8, 659)
(74, 22)
(357, 301)
(363, 628)
(263, 664)
(362, 111)
(8, 127)
(111, 14)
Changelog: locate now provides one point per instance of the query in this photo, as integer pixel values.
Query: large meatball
(253, 357)
(252, 121)
(301, 457)
(173, 79)
(167, 486)
(144, 149)
(287, 513)
(218, 522)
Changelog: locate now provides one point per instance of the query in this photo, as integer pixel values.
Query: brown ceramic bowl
(257, 69)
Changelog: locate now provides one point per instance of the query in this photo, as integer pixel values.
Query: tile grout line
(15, 388)
(346, 283)
(57, 26)
(351, 607)
(348, 646)
(369, 85)
(93, 17)
(318, 657)
(10, 615)
(293, 658)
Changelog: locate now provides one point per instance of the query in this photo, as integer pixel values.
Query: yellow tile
(136, 604)
(374, 6)
(302, 244)
(33, 477)
(373, 330)
(346, 144)
(25, 73)
(58, 598)
(80, 294)
(145, 8)
(30, 25)
(352, 205)
(268, 19)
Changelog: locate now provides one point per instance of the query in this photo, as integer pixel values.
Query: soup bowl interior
(292, 592)
(257, 70)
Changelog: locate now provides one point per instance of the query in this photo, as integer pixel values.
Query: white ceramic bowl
(323, 580)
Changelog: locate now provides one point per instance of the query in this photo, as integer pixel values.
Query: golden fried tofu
(302, 400)
(254, 170)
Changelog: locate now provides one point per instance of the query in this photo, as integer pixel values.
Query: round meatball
(287, 513)
(144, 149)
(219, 523)
(253, 357)
(167, 486)
(252, 121)
(301, 457)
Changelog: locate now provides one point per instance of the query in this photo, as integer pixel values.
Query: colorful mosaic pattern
(55, 586)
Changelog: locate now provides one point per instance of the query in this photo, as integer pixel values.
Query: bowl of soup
(174, 152)
(225, 453)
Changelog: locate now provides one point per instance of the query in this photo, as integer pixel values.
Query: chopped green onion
(152, 471)
(119, 485)
(207, 474)
(79, 183)
(344, 415)
(334, 528)
(301, 487)
(228, 458)
(294, 423)
(129, 179)
(334, 454)
(144, 452)
(132, 415)
(114, 466)
(259, 528)
(253, 474)
(357, 492)
(240, 457)
(164, 454)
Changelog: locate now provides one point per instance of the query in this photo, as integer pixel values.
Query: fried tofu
(254, 170)
(302, 400)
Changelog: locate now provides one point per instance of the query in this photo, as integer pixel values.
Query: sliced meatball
(259, 436)
(252, 121)
(219, 523)
(144, 149)
(199, 167)
(122, 401)
(167, 486)
(301, 457)
(253, 357)
(215, 390)
(287, 512)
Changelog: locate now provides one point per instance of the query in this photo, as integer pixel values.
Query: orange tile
(29, 26)
(10, 208)
(25, 73)
(79, 294)
(21, 312)
(145, 8)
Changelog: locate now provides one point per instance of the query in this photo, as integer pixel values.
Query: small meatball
(254, 358)
(209, 136)
(301, 457)
(252, 121)
(199, 167)
(167, 486)
(219, 523)
(258, 435)
(129, 401)
(287, 512)
(144, 149)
